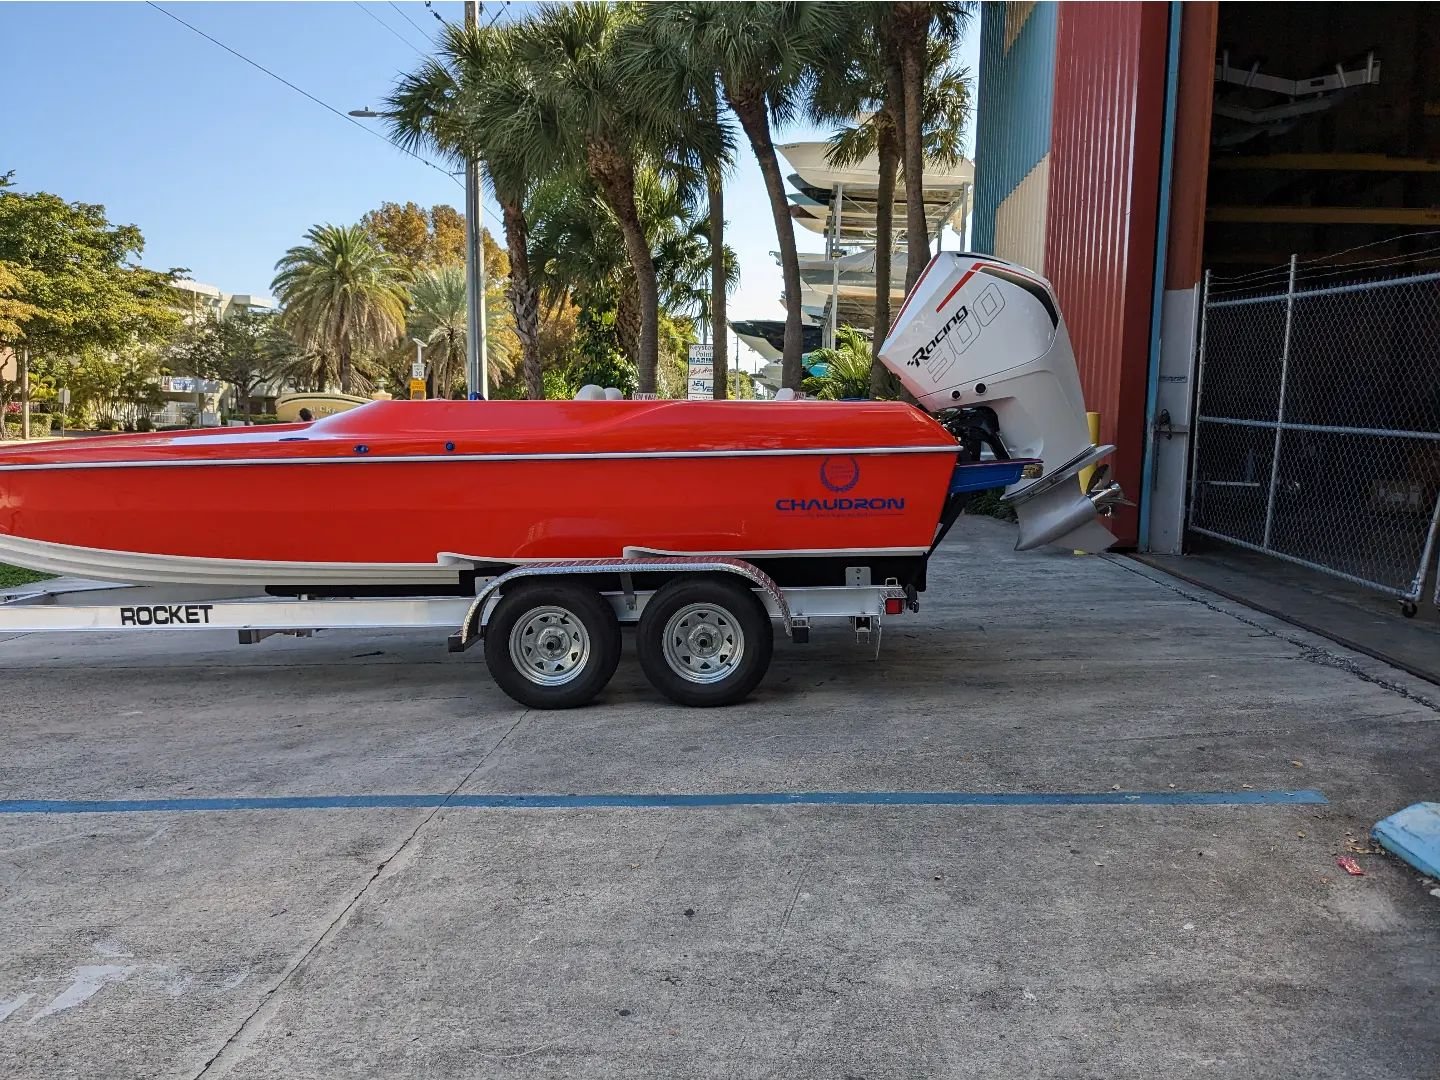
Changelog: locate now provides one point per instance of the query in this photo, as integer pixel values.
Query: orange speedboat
(416, 497)
(421, 493)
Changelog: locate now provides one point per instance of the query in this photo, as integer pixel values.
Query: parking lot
(871, 869)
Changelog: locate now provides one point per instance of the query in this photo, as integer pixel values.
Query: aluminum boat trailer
(551, 630)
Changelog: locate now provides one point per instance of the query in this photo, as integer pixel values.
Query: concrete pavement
(738, 941)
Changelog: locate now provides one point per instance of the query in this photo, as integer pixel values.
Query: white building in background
(838, 285)
(207, 299)
(186, 396)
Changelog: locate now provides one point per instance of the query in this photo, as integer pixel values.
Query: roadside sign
(63, 396)
(701, 377)
(417, 389)
(417, 370)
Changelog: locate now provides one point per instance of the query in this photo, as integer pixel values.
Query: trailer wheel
(552, 646)
(704, 642)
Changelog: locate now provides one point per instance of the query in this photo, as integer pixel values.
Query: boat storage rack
(551, 630)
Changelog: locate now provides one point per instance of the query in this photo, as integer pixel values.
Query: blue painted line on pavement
(1307, 796)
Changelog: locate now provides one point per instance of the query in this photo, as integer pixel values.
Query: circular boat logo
(839, 474)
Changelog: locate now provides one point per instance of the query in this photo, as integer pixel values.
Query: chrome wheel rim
(549, 646)
(703, 643)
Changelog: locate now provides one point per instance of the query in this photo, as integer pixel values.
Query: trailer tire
(704, 642)
(552, 645)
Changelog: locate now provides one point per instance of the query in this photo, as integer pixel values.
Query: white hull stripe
(366, 458)
(104, 564)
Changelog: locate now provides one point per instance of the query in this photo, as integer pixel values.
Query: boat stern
(981, 344)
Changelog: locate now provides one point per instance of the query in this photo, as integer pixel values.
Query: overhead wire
(498, 12)
(305, 93)
(401, 12)
(398, 36)
(452, 177)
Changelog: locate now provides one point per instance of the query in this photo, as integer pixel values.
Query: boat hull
(291, 512)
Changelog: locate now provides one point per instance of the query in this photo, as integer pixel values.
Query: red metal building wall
(1190, 165)
(1106, 134)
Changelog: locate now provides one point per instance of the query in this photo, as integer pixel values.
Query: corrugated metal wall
(1012, 138)
(1067, 152)
(1190, 171)
(1020, 220)
(1109, 98)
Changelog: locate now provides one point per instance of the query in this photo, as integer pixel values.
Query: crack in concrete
(243, 1035)
(1309, 653)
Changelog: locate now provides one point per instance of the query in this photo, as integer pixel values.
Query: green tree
(677, 334)
(763, 52)
(342, 294)
(415, 237)
(438, 318)
(847, 367)
(314, 368)
(668, 62)
(686, 268)
(462, 104)
(246, 349)
(15, 312)
(909, 32)
(110, 388)
(862, 84)
(585, 113)
(577, 247)
(597, 359)
(70, 283)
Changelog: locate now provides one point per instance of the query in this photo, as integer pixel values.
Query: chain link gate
(1317, 431)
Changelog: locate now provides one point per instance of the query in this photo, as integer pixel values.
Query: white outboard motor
(977, 333)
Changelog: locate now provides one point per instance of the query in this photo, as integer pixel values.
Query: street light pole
(477, 360)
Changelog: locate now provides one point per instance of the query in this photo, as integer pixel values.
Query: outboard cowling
(982, 334)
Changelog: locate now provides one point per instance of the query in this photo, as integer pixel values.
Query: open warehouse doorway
(1316, 437)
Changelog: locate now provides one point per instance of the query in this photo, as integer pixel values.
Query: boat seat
(590, 392)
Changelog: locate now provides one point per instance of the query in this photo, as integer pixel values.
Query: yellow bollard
(1093, 420)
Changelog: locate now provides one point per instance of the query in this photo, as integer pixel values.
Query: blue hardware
(985, 475)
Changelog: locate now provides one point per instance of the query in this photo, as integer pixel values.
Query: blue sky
(223, 167)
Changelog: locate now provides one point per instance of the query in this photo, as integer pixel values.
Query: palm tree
(907, 36)
(452, 104)
(575, 245)
(666, 60)
(847, 367)
(341, 294)
(585, 111)
(762, 52)
(859, 87)
(577, 248)
(438, 318)
(689, 269)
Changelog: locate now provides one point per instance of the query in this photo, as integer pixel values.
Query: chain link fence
(1317, 434)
